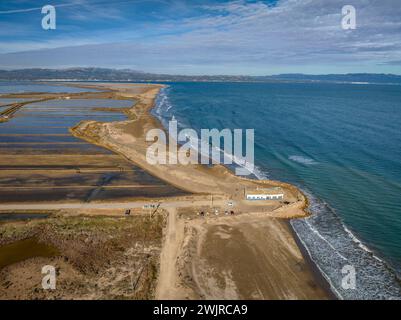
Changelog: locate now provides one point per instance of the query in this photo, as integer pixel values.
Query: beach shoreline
(320, 279)
(317, 274)
(85, 130)
(260, 233)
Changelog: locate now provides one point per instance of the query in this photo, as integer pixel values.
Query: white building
(265, 194)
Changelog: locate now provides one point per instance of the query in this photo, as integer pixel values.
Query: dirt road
(167, 282)
(107, 205)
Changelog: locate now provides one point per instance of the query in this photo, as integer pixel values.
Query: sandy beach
(251, 255)
(200, 150)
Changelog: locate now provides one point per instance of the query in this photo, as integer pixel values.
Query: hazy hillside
(132, 75)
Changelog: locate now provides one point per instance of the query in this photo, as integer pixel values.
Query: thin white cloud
(238, 35)
(36, 8)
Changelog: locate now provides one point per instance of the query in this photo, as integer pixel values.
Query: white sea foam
(325, 237)
(163, 103)
(328, 242)
(302, 160)
(251, 168)
(161, 108)
(330, 282)
(325, 240)
(360, 244)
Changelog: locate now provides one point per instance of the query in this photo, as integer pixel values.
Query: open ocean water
(339, 143)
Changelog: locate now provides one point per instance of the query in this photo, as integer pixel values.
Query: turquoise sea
(341, 144)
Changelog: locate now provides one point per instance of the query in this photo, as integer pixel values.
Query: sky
(234, 37)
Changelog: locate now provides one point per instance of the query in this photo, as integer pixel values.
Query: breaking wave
(303, 160)
(331, 246)
(329, 243)
(163, 111)
(162, 106)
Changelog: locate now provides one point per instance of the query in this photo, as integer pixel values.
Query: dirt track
(167, 204)
(166, 286)
(240, 257)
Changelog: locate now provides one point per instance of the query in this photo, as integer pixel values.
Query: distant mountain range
(102, 74)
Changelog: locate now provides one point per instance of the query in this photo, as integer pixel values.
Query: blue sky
(204, 37)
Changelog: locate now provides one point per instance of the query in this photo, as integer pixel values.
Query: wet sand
(245, 258)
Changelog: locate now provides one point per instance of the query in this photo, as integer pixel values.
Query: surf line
(208, 148)
(324, 239)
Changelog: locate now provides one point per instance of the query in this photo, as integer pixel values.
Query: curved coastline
(124, 137)
(216, 179)
(385, 276)
(315, 240)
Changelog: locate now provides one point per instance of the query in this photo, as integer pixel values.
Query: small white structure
(149, 206)
(265, 194)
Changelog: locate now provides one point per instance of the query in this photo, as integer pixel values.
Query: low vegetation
(100, 257)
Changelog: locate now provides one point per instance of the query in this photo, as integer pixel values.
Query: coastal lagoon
(41, 161)
(340, 143)
(6, 102)
(56, 116)
(25, 86)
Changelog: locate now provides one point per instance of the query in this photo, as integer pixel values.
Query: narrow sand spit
(128, 139)
(252, 255)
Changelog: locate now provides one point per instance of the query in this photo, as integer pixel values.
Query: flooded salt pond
(38, 138)
(77, 179)
(4, 101)
(22, 87)
(41, 161)
(86, 103)
(36, 126)
(57, 116)
(24, 249)
(29, 150)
